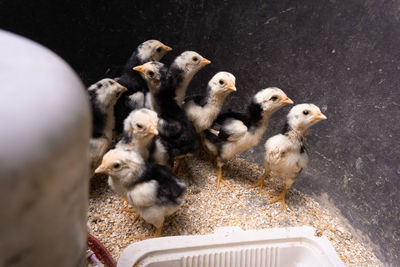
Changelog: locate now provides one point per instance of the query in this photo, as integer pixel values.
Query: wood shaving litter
(205, 209)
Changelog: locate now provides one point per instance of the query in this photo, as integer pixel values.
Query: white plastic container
(231, 246)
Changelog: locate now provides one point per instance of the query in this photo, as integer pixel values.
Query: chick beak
(205, 62)
(139, 68)
(232, 87)
(287, 101)
(167, 48)
(124, 89)
(101, 169)
(319, 117)
(153, 130)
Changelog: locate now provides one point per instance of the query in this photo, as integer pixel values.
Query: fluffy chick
(140, 127)
(177, 134)
(285, 154)
(182, 70)
(147, 51)
(103, 96)
(203, 110)
(152, 189)
(154, 73)
(232, 132)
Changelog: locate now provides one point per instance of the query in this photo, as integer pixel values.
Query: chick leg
(158, 231)
(203, 148)
(280, 197)
(178, 164)
(259, 182)
(220, 178)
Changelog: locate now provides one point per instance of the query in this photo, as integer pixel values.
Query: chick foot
(259, 182)
(280, 197)
(220, 180)
(132, 211)
(156, 234)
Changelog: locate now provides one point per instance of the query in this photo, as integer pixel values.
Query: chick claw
(280, 197)
(257, 183)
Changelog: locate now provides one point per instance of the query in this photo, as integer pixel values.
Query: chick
(103, 96)
(147, 51)
(152, 189)
(140, 127)
(285, 154)
(182, 70)
(203, 110)
(177, 134)
(232, 133)
(154, 74)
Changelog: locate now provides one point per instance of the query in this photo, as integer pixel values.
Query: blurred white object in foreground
(44, 138)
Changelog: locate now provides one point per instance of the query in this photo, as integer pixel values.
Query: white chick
(103, 96)
(182, 70)
(152, 189)
(233, 133)
(285, 154)
(140, 127)
(203, 110)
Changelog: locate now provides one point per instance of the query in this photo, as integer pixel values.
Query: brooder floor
(205, 209)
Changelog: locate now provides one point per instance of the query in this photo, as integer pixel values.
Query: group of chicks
(145, 112)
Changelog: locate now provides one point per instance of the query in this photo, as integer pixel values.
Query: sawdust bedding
(205, 209)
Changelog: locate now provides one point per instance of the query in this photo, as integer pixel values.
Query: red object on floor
(100, 251)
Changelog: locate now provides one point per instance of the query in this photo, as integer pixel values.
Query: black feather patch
(126, 138)
(175, 76)
(199, 100)
(286, 128)
(255, 113)
(98, 116)
(170, 187)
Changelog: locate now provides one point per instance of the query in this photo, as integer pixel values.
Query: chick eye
(158, 50)
(221, 82)
(274, 98)
(139, 126)
(116, 165)
(195, 59)
(305, 112)
(151, 73)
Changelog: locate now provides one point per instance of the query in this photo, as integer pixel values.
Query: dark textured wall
(343, 56)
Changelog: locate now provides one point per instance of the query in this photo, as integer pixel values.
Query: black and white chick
(134, 97)
(177, 134)
(140, 127)
(285, 154)
(103, 96)
(203, 110)
(154, 74)
(232, 132)
(182, 70)
(152, 189)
